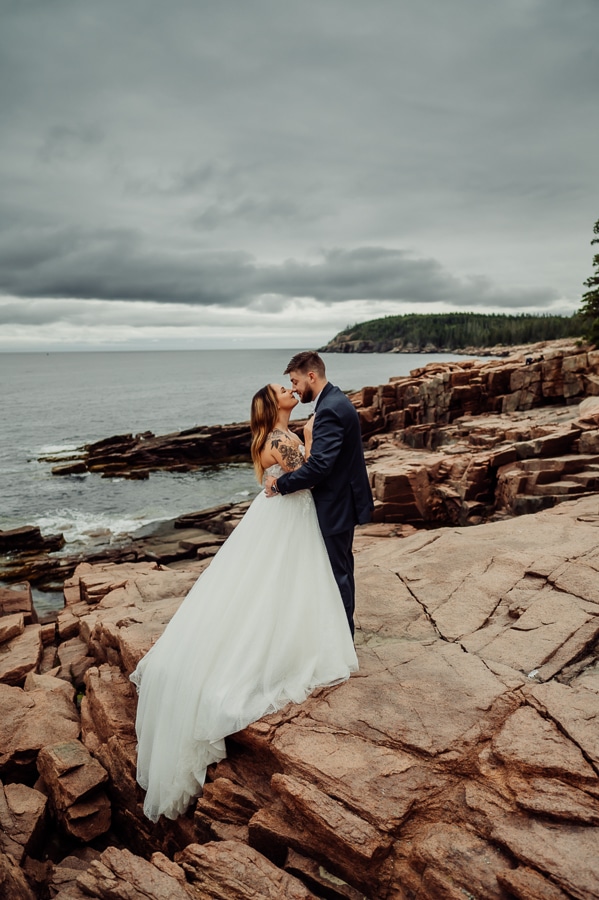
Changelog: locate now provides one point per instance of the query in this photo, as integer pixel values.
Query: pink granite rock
(22, 820)
(528, 884)
(120, 875)
(30, 720)
(533, 745)
(17, 598)
(575, 710)
(74, 780)
(69, 772)
(313, 823)
(450, 861)
(11, 626)
(20, 655)
(228, 870)
(13, 884)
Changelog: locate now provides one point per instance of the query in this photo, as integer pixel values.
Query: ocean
(53, 403)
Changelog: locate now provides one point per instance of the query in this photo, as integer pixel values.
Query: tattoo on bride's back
(290, 453)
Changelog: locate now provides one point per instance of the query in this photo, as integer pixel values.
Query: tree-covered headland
(420, 333)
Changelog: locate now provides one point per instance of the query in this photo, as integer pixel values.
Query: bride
(263, 626)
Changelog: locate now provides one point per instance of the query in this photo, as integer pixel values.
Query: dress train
(263, 626)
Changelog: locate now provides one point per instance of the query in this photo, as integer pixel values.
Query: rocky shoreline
(343, 344)
(135, 456)
(462, 759)
(461, 442)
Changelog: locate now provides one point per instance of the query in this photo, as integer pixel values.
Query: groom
(335, 470)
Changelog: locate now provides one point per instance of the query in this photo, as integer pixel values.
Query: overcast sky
(254, 173)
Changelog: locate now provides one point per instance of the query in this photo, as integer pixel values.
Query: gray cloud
(116, 265)
(69, 142)
(201, 153)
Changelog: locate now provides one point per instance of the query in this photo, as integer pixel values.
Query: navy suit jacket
(335, 471)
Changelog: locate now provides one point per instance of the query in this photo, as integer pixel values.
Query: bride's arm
(285, 450)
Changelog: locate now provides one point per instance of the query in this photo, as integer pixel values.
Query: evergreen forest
(454, 331)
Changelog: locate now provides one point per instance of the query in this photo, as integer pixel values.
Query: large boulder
(13, 884)
(22, 820)
(20, 655)
(229, 870)
(11, 626)
(121, 610)
(31, 719)
(74, 780)
(120, 875)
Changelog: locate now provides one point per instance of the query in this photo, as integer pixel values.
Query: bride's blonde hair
(263, 417)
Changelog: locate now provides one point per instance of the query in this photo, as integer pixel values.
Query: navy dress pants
(339, 548)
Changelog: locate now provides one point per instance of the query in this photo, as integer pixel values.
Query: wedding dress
(263, 626)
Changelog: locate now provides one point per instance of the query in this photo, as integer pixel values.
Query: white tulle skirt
(263, 626)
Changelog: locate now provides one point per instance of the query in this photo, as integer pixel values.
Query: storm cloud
(278, 168)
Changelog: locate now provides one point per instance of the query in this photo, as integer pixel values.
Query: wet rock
(136, 455)
(76, 468)
(29, 538)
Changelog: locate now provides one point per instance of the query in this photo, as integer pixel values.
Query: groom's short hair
(306, 361)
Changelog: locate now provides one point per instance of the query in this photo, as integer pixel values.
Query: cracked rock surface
(461, 760)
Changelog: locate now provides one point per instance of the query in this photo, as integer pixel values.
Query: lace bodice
(272, 472)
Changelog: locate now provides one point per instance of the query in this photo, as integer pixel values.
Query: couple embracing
(271, 618)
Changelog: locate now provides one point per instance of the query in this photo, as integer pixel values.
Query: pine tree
(590, 300)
